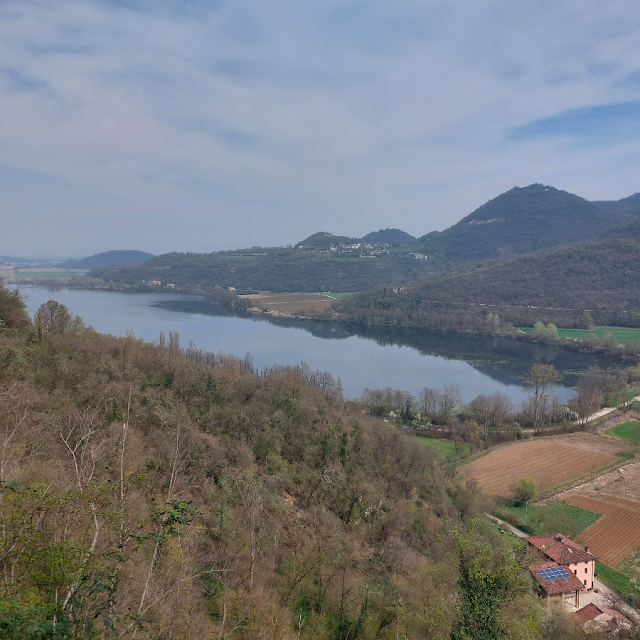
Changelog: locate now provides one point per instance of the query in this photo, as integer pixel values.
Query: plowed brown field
(551, 463)
(614, 536)
(290, 302)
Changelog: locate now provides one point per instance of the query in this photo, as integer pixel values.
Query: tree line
(487, 419)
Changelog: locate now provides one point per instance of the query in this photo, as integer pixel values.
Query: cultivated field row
(551, 463)
(616, 534)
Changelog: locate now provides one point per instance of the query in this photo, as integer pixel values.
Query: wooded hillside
(519, 221)
(153, 492)
(275, 270)
(556, 286)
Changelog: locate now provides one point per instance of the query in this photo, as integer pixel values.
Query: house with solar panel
(556, 584)
(576, 559)
(566, 570)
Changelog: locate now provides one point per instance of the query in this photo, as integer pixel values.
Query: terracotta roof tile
(561, 549)
(587, 613)
(559, 585)
(592, 611)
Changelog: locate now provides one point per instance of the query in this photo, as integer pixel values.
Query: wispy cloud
(246, 123)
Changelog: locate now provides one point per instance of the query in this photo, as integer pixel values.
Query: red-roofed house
(576, 559)
(595, 618)
(557, 583)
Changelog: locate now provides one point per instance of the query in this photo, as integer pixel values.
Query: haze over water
(360, 356)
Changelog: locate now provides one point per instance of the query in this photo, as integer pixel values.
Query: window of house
(575, 571)
(585, 569)
(585, 583)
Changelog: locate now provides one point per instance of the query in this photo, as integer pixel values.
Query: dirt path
(603, 412)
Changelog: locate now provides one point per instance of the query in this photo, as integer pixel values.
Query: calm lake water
(361, 356)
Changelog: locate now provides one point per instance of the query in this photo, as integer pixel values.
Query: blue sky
(196, 125)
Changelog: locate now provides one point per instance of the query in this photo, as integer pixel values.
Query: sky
(200, 125)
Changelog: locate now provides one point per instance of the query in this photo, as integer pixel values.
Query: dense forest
(151, 491)
(555, 286)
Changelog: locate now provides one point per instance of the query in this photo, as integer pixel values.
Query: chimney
(586, 549)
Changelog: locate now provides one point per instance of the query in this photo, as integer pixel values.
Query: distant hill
(629, 206)
(323, 240)
(519, 221)
(279, 270)
(388, 236)
(108, 258)
(554, 285)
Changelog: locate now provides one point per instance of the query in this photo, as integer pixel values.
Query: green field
(615, 580)
(553, 518)
(446, 448)
(617, 398)
(622, 334)
(629, 431)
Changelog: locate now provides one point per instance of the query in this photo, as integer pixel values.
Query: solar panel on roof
(553, 573)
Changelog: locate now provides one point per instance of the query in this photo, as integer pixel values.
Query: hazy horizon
(198, 126)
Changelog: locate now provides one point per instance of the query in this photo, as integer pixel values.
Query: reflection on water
(362, 356)
(505, 360)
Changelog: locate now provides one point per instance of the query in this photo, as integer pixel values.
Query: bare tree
(589, 393)
(428, 400)
(80, 436)
(449, 399)
(16, 405)
(541, 380)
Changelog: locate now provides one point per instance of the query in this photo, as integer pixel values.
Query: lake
(360, 355)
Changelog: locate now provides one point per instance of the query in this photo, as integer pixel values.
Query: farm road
(603, 412)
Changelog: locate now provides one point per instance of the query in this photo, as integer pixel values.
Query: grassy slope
(555, 514)
(624, 395)
(622, 334)
(629, 431)
(613, 579)
(445, 448)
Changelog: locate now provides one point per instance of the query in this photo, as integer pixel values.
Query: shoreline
(230, 300)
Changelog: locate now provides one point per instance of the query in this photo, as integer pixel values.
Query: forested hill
(627, 230)
(555, 285)
(272, 270)
(519, 221)
(390, 236)
(324, 240)
(629, 206)
(153, 492)
(108, 258)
